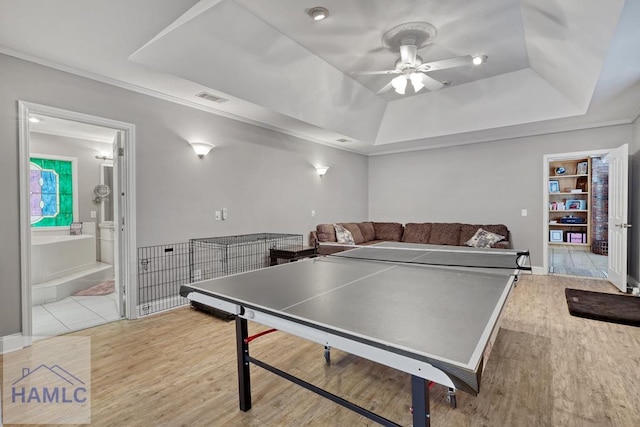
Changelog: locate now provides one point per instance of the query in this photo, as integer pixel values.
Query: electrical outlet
(94, 214)
(218, 216)
(224, 213)
(524, 212)
(313, 213)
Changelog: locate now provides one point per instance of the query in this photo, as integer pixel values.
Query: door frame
(545, 193)
(128, 236)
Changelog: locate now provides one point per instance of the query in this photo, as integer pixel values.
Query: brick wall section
(599, 200)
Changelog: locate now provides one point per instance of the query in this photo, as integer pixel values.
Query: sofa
(368, 233)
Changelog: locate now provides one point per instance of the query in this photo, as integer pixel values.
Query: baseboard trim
(538, 270)
(10, 343)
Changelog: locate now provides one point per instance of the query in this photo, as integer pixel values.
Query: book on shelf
(576, 237)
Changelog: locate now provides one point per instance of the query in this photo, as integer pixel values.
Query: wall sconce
(322, 170)
(201, 148)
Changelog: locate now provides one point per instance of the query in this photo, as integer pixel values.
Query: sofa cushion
(484, 239)
(355, 231)
(445, 234)
(326, 233)
(417, 233)
(388, 231)
(343, 235)
(368, 232)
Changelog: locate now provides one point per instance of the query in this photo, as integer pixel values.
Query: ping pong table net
(445, 257)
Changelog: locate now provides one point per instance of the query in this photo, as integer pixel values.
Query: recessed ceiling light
(318, 13)
(477, 60)
(34, 120)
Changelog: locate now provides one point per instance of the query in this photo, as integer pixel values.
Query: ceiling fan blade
(385, 88)
(408, 53)
(431, 83)
(443, 64)
(373, 73)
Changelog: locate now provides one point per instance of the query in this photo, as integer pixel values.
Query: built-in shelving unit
(569, 202)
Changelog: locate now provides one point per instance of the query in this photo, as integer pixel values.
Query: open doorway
(75, 201)
(585, 214)
(578, 210)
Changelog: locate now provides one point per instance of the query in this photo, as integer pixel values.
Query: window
(51, 187)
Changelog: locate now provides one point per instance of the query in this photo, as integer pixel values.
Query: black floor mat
(623, 309)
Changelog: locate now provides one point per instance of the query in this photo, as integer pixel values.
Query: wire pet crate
(161, 271)
(163, 268)
(221, 256)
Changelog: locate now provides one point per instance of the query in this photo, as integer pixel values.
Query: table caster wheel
(451, 398)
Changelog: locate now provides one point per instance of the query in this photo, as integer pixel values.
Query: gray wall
(265, 179)
(480, 184)
(634, 203)
(88, 166)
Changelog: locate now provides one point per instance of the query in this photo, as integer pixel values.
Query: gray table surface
(432, 312)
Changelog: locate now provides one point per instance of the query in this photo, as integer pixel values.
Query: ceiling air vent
(210, 97)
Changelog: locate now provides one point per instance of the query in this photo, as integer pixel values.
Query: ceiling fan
(407, 38)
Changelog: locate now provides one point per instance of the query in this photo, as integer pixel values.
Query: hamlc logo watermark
(48, 383)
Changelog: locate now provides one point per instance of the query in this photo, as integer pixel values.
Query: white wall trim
(25, 220)
(539, 271)
(557, 128)
(517, 134)
(171, 98)
(129, 233)
(9, 343)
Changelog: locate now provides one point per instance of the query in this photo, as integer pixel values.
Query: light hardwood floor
(547, 369)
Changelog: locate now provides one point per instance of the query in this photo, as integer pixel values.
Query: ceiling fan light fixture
(478, 60)
(416, 81)
(399, 84)
(318, 13)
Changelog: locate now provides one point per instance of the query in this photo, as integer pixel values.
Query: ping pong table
(430, 311)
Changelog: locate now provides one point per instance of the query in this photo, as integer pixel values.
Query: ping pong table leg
(420, 402)
(244, 379)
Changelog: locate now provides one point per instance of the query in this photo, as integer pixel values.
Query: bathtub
(56, 256)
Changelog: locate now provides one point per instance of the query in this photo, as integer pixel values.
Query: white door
(118, 220)
(618, 161)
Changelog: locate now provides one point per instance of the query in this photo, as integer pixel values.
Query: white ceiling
(552, 66)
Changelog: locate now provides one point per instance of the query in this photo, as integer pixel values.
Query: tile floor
(73, 313)
(577, 263)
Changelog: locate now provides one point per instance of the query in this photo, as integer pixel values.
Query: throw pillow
(343, 235)
(484, 239)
